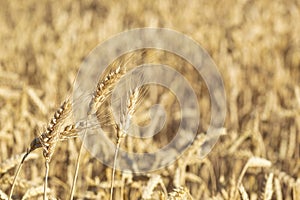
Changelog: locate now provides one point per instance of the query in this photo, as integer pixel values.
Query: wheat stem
(77, 166)
(114, 168)
(16, 175)
(123, 127)
(46, 180)
(32, 147)
(102, 92)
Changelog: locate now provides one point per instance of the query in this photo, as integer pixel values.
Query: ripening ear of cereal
(180, 193)
(268, 189)
(122, 127)
(104, 88)
(252, 162)
(35, 192)
(152, 183)
(50, 137)
(102, 91)
(243, 193)
(48, 140)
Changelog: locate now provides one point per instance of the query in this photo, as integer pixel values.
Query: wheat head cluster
(255, 45)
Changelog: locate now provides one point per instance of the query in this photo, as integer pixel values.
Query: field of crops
(254, 44)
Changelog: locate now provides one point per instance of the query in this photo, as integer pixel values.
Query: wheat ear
(47, 140)
(104, 89)
(180, 193)
(34, 192)
(123, 127)
(50, 137)
(152, 183)
(268, 189)
(252, 162)
(102, 92)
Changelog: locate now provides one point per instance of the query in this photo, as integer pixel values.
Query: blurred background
(255, 44)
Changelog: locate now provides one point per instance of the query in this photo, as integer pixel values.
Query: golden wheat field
(256, 47)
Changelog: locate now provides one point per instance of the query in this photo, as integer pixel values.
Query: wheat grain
(102, 92)
(47, 140)
(257, 162)
(104, 88)
(181, 193)
(3, 196)
(296, 189)
(177, 178)
(20, 183)
(35, 192)
(252, 162)
(50, 137)
(190, 152)
(268, 189)
(243, 192)
(70, 131)
(152, 183)
(284, 177)
(123, 127)
(277, 186)
(37, 101)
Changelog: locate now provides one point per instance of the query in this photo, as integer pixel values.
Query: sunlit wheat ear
(179, 194)
(69, 131)
(268, 189)
(102, 92)
(252, 162)
(151, 185)
(33, 193)
(243, 192)
(104, 88)
(50, 137)
(122, 128)
(47, 140)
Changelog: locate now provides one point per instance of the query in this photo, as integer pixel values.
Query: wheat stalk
(102, 92)
(252, 162)
(123, 127)
(277, 187)
(296, 189)
(47, 140)
(14, 161)
(152, 183)
(268, 189)
(50, 137)
(243, 192)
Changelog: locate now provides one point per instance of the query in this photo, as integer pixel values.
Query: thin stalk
(77, 166)
(114, 168)
(17, 174)
(46, 180)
